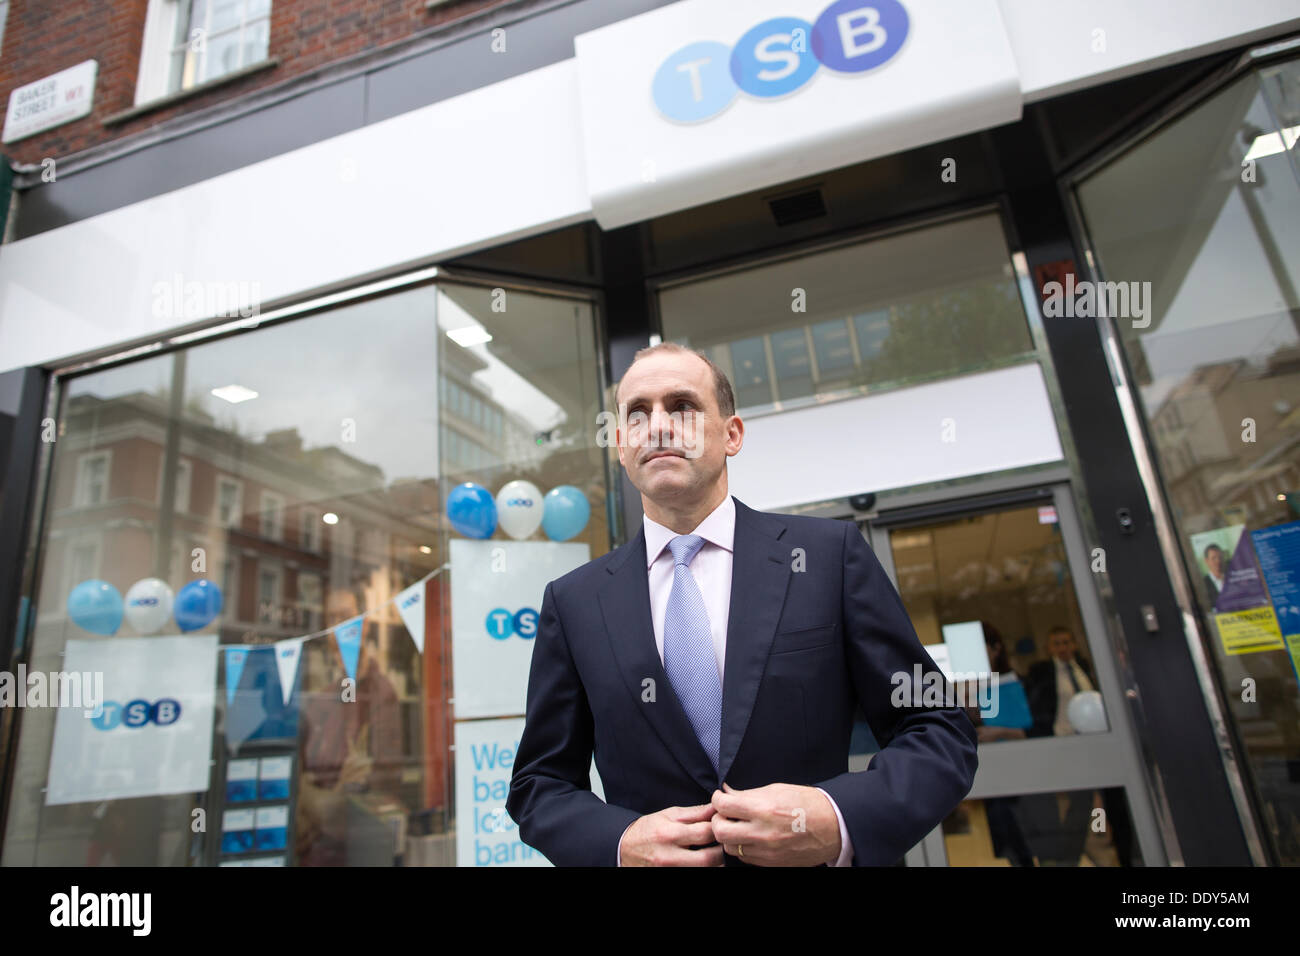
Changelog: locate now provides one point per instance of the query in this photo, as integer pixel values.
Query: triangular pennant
(287, 656)
(410, 604)
(348, 636)
(235, 658)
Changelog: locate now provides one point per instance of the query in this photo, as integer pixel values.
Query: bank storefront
(305, 545)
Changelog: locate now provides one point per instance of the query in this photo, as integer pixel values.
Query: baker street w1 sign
(53, 101)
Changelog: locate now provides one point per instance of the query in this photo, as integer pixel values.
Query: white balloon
(519, 508)
(148, 605)
(1086, 713)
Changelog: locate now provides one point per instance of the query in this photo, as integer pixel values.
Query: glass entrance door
(999, 591)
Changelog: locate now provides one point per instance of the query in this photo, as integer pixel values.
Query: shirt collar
(718, 528)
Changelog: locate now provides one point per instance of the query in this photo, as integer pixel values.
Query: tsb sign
(501, 623)
(777, 57)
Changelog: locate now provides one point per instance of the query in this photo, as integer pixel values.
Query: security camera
(863, 502)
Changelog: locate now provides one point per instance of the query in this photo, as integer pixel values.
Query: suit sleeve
(928, 754)
(550, 791)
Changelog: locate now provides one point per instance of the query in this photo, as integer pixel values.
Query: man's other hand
(665, 838)
(777, 825)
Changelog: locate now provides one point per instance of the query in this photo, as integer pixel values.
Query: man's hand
(777, 825)
(664, 838)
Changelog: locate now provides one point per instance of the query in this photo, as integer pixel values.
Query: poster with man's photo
(1232, 587)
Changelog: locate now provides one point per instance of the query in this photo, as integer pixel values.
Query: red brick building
(163, 59)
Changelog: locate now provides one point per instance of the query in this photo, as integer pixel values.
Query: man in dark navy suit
(713, 665)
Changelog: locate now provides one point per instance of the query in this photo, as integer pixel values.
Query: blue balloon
(96, 606)
(472, 510)
(564, 512)
(197, 604)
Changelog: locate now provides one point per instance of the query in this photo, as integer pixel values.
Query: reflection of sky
(506, 386)
(374, 362)
(1229, 304)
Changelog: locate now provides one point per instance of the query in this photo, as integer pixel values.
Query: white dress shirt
(711, 568)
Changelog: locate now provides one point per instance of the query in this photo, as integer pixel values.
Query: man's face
(677, 441)
(1061, 644)
(1214, 561)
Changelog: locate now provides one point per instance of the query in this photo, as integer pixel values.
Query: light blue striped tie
(689, 659)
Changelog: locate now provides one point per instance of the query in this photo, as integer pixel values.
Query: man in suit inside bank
(713, 665)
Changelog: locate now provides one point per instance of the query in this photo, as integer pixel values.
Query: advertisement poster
(1232, 587)
(485, 758)
(1278, 552)
(154, 734)
(496, 598)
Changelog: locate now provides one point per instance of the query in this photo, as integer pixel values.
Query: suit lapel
(625, 607)
(760, 575)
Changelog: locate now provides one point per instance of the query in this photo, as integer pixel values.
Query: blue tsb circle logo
(501, 623)
(777, 57)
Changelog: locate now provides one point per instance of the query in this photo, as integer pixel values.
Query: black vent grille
(797, 207)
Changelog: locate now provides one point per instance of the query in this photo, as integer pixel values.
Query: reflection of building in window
(477, 435)
(229, 590)
(272, 516)
(1213, 476)
(83, 562)
(92, 479)
(268, 595)
(310, 529)
(181, 493)
(918, 306)
(283, 534)
(230, 497)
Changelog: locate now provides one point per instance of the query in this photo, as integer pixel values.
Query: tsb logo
(137, 713)
(501, 623)
(777, 57)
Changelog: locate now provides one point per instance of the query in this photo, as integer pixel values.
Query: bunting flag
(348, 637)
(288, 652)
(235, 658)
(287, 656)
(410, 604)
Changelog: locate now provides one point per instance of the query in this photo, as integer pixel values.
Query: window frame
(162, 39)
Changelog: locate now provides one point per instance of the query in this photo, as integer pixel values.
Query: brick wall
(43, 37)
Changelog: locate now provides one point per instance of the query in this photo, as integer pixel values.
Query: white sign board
(154, 732)
(496, 600)
(485, 758)
(705, 99)
(53, 101)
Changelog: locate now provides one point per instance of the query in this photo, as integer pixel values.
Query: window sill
(171, 98)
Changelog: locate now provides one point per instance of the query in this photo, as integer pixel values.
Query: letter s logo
(778, 57)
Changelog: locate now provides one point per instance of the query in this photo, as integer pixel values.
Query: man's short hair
(1212, 547)
(721, 384)
(1060, 629)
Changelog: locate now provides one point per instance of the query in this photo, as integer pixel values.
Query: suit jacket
(1040, 689)
(1211, 589)
(815, 628)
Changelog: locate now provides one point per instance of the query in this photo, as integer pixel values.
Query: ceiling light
(425, 549)
(330, 517)
(234, 394)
